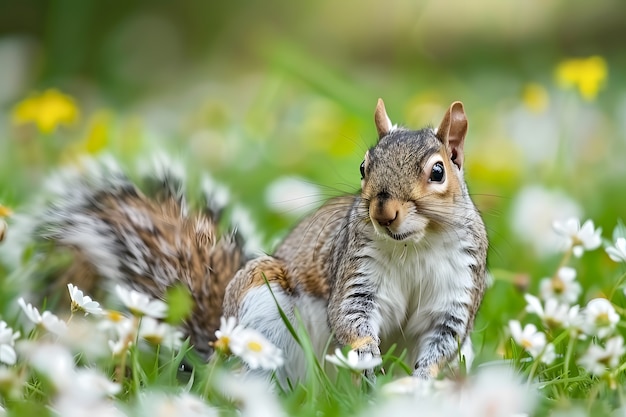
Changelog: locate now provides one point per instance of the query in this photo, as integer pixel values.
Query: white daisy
(352, 360)
(79, 391)
(71, 405)
(7, 343)
(46, 320)
(118, 346)
(85, 336)
(563, 286)
(548, 355)
(140, 304)
(81, 302)
(579, 238)
(31, 312)
(53, 324)
(92, 384)
(553, 314)
(254, 396)
(618, 252)
(121, 329)
(183, 405)
(12, 381)
(598, 360)
(533, 212)
(158, 333)
(7, 335)
(54, 361)
(529, 338)
(493, 391)
(226, 332)
(292, 195)
(408, 385)
(255, 350)
(574, 320)
(600, 317)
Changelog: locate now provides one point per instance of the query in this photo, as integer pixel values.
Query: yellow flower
(5, 211)
(96, 140)
(98, 134)
(535, 97)
(586, 74)
(47, 110)
(3, 229)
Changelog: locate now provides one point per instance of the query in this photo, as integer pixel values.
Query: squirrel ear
(383, 123)
(452, 131)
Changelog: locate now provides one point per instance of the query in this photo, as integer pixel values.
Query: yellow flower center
(526, 344)
(5, 211)
(603, 319)
(558, 286)
(255, 346)
(75, 307)
(222, 343)
(153, 339)
(552, 323)
(115, 316)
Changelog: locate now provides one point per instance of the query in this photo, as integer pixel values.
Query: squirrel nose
(386, 216)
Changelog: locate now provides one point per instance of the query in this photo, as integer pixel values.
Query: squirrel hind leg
(257, 273)
(253, 297)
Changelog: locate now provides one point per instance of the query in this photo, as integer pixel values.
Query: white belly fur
(413, 283)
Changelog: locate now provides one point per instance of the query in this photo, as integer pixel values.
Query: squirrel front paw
(369, 357)
(426, 372)
(368, 362)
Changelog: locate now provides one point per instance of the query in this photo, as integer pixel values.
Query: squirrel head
(412, 180)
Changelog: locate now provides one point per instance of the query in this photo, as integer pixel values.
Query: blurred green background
(276, 98)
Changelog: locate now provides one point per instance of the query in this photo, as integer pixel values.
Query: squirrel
(402, 262)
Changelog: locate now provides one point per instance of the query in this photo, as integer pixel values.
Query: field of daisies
(281, 113)
(557, 355)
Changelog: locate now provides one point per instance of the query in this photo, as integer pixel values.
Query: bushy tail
(146, 238)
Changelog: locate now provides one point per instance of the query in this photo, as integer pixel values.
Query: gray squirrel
(402, 262)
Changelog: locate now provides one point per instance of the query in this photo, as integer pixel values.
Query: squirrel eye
(437, 174)
(362, 169)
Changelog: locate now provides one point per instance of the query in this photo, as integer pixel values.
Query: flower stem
(533, 369)
(120, 371)
(618, 283)
(213, 363)
(568, 354)
(565, 260)
(592, 396)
